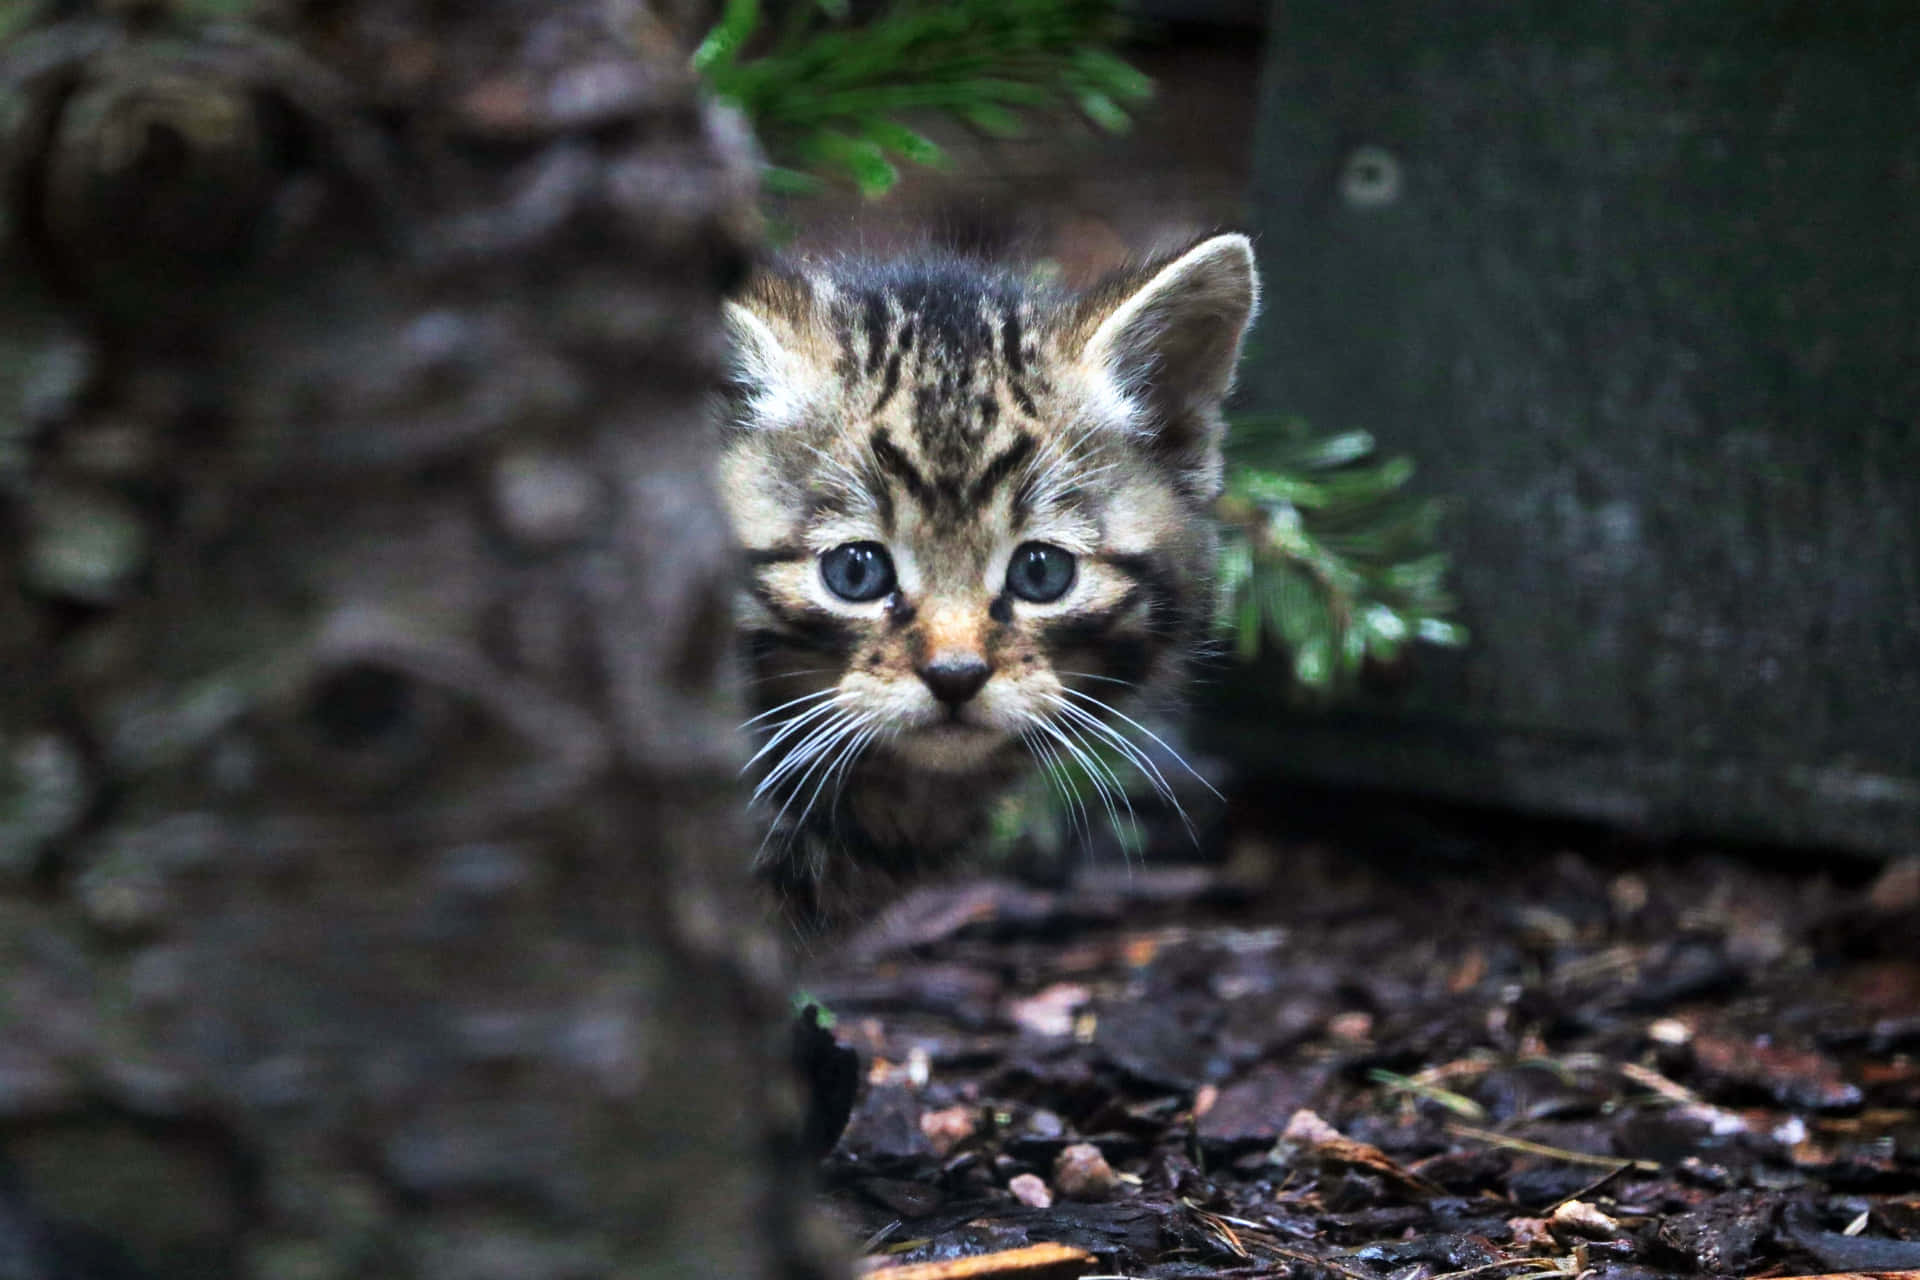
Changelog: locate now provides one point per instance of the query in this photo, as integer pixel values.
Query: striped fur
(953, 417)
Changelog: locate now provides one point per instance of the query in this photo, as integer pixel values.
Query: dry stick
(1542, 1149)
(1034, 1262)
(1587, 1190)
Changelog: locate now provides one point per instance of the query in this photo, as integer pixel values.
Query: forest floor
(1410, 1054)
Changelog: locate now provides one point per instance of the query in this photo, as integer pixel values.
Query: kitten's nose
(955, 677)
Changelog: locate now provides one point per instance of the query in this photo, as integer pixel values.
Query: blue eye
(857, 571)
(1040, 572)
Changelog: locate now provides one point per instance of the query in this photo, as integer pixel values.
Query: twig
(1031, 1263)
(1542, 1149)
(1589, 1189)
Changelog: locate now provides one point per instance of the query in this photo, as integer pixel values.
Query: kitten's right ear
(768, 368)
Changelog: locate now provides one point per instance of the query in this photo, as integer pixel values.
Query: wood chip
(1307, 1136)
(1035, 1262)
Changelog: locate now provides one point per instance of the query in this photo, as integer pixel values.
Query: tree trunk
(369, 859)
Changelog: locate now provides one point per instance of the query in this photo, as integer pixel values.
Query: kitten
(975, 511)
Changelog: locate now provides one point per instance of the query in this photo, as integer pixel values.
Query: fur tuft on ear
(1168, 337)
(767, 329)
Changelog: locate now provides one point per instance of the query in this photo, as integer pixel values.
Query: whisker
(855, 736)
(1079, 757)
(1088, 675)
(807, 750)
(1112, 780)
(1135, 756)
(1131, 751)
(1158, 740)
(791, 702)
(790, 727)
(844, 726)
(1062, 781)
(795, 674)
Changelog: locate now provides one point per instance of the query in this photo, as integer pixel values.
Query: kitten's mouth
(950, 744)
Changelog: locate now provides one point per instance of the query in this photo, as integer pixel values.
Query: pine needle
(828, 97)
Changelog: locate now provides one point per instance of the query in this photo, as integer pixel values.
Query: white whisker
(837, 732)
(1088, 675)
(808, 750)
(1062, 781)
(1134, 755)
(1131, 750)
(856, 737)
(1111, 783)
(1158, 740)
(790, 727)
(791, 702)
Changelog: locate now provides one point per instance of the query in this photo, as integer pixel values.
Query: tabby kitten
(975, 514)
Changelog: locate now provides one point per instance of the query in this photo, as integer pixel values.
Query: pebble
(1029, 1190)
(1081, 1172)
(947, 1128)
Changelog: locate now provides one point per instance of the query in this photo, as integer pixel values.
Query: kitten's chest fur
(890, 828)
(975, 512)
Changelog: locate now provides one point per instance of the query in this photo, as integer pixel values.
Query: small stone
(1669, 1031)
(1050, 1012)
(1355, 1026)
(1029, 1190)
(1042, 1123)
(543, 501)
(947, 1128)
(1081, 1172)
(1629, 893)
(1576, 1219)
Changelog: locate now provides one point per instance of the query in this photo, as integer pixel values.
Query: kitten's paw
(830, 1074)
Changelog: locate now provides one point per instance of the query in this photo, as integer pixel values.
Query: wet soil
(1392, 1053)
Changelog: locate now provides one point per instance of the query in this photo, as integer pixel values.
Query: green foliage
(1325, 555)
(829, 96)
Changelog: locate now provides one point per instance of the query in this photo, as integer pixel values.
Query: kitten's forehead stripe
(876, 320)
(995, 472)
(1010, 342)
(891, 383)
(902, 469)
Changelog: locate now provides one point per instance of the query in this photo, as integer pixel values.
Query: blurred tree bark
(368, 856)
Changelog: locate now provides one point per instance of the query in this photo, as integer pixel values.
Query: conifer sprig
(829, 96)
(1325, 555)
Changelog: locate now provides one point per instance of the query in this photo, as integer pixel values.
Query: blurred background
(1632, 287)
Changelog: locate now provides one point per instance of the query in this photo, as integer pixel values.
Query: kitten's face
(970, 508)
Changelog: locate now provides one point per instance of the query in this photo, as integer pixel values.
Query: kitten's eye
(857, 571)
(1040, 572)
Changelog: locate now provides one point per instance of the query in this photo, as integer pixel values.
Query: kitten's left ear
(1171, 345)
